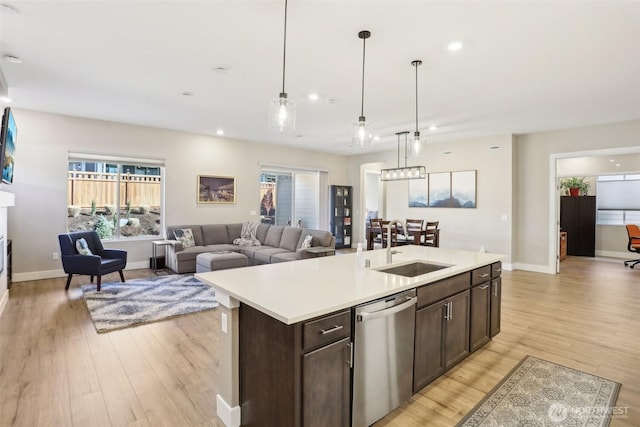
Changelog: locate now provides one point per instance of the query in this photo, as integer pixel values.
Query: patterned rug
(120, 305)
(541, 393)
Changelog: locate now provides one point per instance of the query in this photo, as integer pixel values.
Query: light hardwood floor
(55, 370)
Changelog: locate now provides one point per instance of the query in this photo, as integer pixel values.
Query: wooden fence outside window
(87, 187)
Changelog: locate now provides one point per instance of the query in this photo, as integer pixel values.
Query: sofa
(277, 244)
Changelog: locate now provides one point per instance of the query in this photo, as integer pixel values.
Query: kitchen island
(281, 303)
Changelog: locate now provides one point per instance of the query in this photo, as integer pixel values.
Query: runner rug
(120, 305)
(541, 393)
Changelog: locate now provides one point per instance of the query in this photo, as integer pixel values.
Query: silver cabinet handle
(446, 311)
(451, 310)
(495, 289)
(484, 287)
(483, 275)
(499, 270)
(328, 331)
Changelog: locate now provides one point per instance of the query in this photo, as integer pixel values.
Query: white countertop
(299, 290)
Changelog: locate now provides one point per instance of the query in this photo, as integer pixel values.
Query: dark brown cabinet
(578, 220)
(326, 385)
(480, 312)
(495, 298)
(295, 375)
(442, 329)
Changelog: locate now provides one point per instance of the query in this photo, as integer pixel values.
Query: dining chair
(385, 237)
(432, 234)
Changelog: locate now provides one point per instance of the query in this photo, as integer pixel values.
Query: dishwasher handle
(364, 316)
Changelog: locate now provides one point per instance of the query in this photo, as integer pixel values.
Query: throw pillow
(185, 236)
(306, 243)
(82, 247)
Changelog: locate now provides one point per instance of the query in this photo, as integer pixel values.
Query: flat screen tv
(8, 137)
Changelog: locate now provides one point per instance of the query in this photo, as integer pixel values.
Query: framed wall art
(418, 193)
(463, 189)
(216, 189)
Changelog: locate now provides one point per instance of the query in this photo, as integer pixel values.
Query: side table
(155, 244)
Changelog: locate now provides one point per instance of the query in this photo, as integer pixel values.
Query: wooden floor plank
(56, 370)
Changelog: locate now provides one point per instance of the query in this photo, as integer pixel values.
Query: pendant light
(417, 144)
(406, 172)
(282, 110)
(362, 135)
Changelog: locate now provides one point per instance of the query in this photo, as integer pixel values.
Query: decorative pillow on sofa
(82, 247)
(307, 242)
(185, 236)
(248, 235)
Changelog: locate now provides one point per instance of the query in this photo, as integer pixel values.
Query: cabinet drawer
(445, 288)
(480, 275)
(496, 269)
(325, 330)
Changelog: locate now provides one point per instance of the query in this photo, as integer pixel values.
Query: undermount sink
(414, 269)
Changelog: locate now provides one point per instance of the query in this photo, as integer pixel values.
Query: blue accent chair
(103, 261)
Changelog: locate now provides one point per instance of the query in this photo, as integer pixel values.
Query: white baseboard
(534, 267)
(228, 415)
(611, 254)
(51, 274)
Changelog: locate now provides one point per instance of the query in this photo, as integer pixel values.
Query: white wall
(534, 156)
(40, 185)
(460, 228)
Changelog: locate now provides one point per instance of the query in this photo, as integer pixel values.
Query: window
(118, 198)
(618, 198)
(293, 198)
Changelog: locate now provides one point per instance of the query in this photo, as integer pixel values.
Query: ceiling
(526, 66)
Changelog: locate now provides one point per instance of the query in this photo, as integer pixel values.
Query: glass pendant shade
(282, 114)
(418, 145)
(362, 134)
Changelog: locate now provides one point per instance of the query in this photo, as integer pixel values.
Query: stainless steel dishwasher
(383, 356)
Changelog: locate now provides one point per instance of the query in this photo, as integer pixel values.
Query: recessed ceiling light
(5, 99)
(219, 132)
(454, 46)
(13, 59)
(611, 160)
(432, 127)
(618, 164)
(376, 137)
(313, 97)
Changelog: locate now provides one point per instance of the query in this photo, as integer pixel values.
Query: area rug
(541, 393)
(119, 305)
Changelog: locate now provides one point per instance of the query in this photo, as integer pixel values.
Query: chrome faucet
(389, 251)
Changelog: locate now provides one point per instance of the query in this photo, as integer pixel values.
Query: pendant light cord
(416, 97)
(364, 41)
(284, 56)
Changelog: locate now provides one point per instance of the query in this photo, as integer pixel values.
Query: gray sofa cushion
(274, 235)
(261, 232)
(195, 229)
(320, 238)
(290, 238)
(233, 231)
(285, 256)
(215, 234)
(265, 255)
(250, 251)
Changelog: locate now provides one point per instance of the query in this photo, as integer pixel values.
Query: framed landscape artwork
(463, 189)
(418, 193)
(216, 189)
(444, 190)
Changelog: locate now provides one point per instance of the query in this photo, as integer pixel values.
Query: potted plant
(576, 186)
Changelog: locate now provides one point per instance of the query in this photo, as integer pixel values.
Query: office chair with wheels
(633, 231)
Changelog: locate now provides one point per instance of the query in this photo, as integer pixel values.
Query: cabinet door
(496, 302)
(428, 362)
(456, 334)
(480, 305)
(326, 387)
